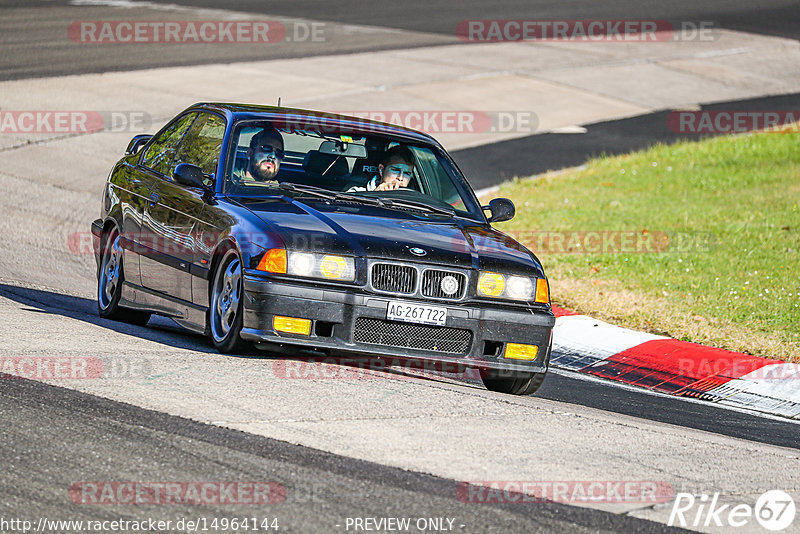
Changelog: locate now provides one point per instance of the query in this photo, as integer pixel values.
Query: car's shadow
(159, 329)
(165, 331)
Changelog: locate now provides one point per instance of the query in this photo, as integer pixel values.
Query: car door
(139, 181)
(131, 190)
(174, 211)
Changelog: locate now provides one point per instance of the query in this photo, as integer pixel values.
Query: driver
(395, 171)
(264, 155)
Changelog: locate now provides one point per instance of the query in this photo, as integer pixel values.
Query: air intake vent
(394, 278)
(412, 336)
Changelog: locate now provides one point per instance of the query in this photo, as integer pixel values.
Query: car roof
(343, 123)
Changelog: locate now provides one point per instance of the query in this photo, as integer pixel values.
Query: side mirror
(190, 175)
(136, 143)
(502, 209)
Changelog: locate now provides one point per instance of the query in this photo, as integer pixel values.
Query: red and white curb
(675, 367)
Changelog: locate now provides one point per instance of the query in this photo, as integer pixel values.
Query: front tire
(514, 383)
(110, 277)
(226, 305)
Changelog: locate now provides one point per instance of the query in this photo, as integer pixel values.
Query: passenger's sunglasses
(270, 150)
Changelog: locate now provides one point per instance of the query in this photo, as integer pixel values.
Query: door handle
(154, 199)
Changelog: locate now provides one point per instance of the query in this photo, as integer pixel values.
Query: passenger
(395, 171)
(264, 155)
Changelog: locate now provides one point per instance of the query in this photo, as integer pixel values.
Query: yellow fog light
(542, 291)
(491, 284)
(518, 351)
(292, 325)
(333, 267)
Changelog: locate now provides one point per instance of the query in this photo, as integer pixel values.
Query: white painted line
(580, 341)
(574, 129)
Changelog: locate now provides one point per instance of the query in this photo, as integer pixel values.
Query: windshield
(364, 167)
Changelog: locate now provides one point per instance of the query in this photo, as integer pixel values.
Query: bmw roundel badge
(416, 251)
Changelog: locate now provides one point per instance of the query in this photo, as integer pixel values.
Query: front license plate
(414, 313)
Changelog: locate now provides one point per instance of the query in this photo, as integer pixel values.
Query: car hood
(375, 232)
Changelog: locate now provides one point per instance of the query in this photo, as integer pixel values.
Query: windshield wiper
(310, 189)
(413, 204)
(373, 201)
(329, 195)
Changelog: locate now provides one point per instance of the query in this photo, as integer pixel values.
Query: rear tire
(226, 305)
(110, 277)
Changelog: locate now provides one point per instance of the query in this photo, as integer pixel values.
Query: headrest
(365, 167)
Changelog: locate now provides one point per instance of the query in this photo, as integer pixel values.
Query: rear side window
(161, 152)
(202, 144)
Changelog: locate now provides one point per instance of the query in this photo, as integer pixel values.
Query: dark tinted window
(161, 151)
(202, 144)
(306, 161)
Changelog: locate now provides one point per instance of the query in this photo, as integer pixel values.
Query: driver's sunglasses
(269, 149)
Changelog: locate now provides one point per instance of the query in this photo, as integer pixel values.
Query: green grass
(733, 203)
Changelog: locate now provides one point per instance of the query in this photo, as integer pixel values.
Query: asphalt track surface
(35, 44)
(322, 489)
(771, 17)
(54, 436)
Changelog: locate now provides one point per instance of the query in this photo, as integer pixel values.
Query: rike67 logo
(774, 511)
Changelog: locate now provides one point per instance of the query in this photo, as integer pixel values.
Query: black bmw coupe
(280, 227)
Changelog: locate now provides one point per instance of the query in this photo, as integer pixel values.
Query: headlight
(301, 264)
(334, 267)
(491, 284)
(513, 287)
(327, 266)
(519, 287)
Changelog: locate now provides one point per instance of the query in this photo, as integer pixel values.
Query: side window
(439, 184)
(202, 144)
(162, 150)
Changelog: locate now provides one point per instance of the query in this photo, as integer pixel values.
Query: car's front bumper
(354, 322)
